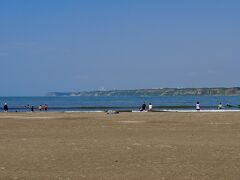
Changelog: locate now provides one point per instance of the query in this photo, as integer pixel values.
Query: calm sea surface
(119, 103)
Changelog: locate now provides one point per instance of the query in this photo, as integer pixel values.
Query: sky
(82, 45)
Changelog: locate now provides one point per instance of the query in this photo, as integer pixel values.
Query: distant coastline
(218, 91)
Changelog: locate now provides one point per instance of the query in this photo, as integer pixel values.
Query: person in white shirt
(150, 107)
(198, 106)
(220, 106)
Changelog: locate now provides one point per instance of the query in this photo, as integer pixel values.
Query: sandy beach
(122, 146)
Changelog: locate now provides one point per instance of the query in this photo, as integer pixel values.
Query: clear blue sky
(76, 45)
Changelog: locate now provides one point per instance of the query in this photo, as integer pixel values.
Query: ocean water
(119, 103)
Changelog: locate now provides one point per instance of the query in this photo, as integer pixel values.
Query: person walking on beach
(5, 107)
(150, 107)
(198, 106)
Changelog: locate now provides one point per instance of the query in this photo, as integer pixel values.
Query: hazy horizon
(154, 88)
(72, 46)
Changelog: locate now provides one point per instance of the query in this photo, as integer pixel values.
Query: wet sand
(163, 146)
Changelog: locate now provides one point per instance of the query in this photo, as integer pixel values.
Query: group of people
(144, 107)
(150, 107)
(30, 107)
(40, 107)
(43, 107)
(220, 106)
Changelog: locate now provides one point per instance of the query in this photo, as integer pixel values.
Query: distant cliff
(235, 91)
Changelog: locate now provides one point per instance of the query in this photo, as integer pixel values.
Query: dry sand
(137, 146)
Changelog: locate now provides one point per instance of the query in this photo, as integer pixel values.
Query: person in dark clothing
(32, 108)
(5, 107)
(143, 108)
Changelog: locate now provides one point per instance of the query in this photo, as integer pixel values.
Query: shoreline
(131, 111)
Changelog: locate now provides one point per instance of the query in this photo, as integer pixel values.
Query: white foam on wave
(165, 110)
(84, 111)
(195, 111)
(139, 111)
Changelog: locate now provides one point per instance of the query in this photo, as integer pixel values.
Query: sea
(121, 103)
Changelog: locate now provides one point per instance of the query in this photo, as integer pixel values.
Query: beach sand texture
(161, 146)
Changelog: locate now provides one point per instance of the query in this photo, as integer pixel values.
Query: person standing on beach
(45, 107)
(150, 107)
(40, 108)
(5, 107)
(220, 106)
(198, 106)
(32, 109)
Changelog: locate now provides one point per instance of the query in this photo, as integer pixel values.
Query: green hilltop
(235, 91)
